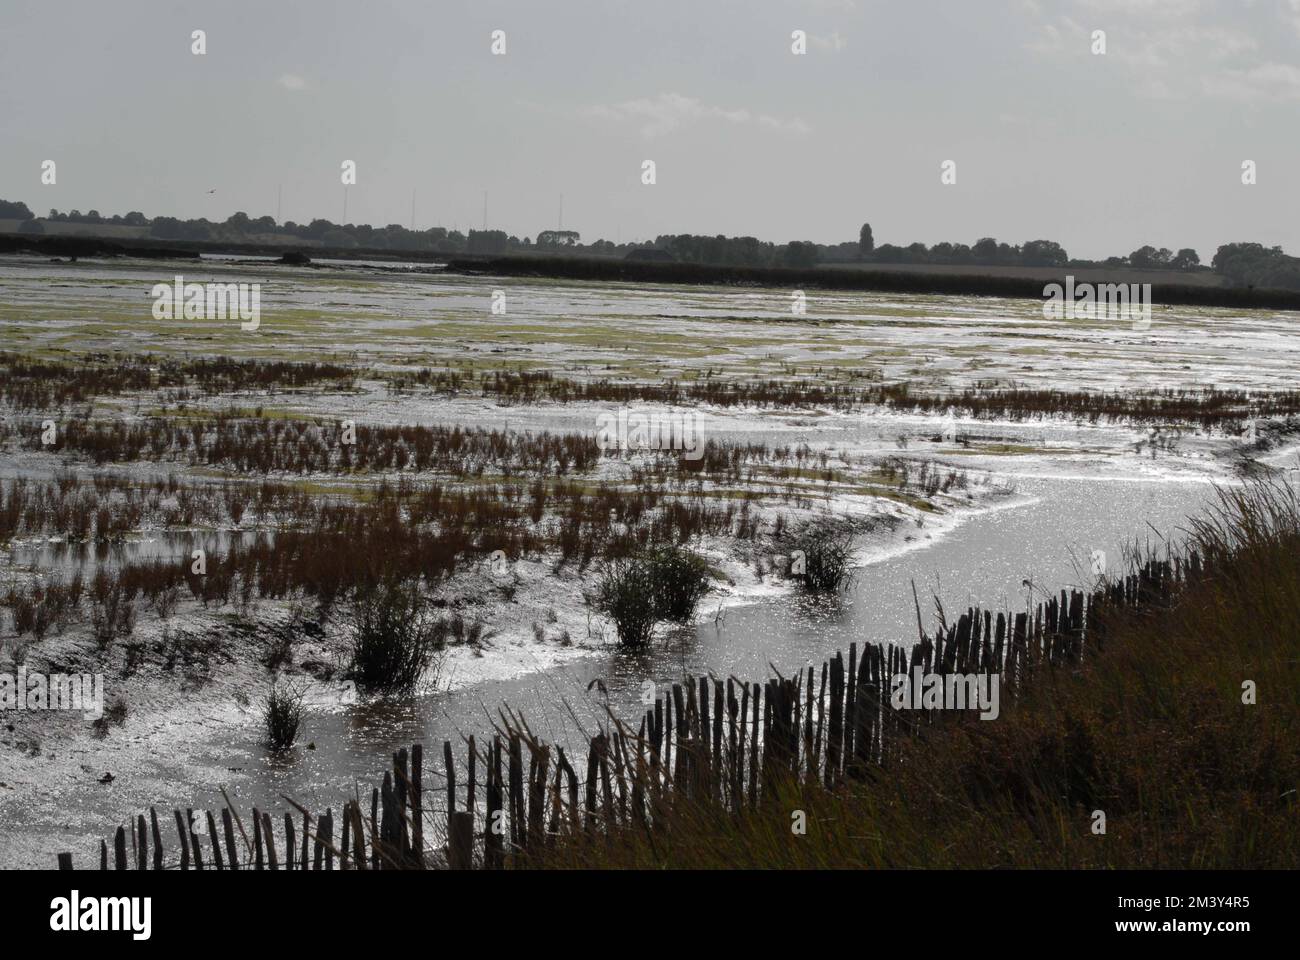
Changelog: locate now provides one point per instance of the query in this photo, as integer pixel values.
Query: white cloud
(1168, 49)
(1295, 15)
(291, 81)
(668, 111)
(1269, 81)
(1047, 41)
(1172, 47)
(1179, 10)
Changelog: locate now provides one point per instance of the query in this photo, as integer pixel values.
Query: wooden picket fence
(725, 741)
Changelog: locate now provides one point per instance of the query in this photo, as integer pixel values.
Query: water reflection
(69, 556)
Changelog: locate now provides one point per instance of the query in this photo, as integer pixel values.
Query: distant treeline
(74, 247)
(1242, 264)
(1254, 265)
(965, 284)
(868, 277)
(239, 228)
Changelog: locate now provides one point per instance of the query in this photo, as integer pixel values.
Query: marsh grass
(112, 611)
(654, 585)
(30, 383)
(282, 715)
(816, 388)
(627, 595)
(115, 714)
(1154, 730)
(681, 580)
(394, 638)
(826, 547)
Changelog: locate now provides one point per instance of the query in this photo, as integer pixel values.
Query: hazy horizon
(1104, 154)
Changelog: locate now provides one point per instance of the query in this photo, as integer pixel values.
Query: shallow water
(648, 330)
(68, 557)
(1047, 538)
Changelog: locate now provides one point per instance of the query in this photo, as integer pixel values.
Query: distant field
(1197, 278)
(105, 230)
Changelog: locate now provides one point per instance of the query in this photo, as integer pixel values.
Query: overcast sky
(1101, 153)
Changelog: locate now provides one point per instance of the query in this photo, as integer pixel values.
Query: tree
(14, 210)
(487, 241)
(1043, 253)
(985, 250)
(943, 252)
(1185, 259)
(31, 227)
(1143, 258)
(866, 242)
(558, 238)
(1230, 252)
(800, 254)
(196, 229)
(166, 228)
(318, 228)
(337, 238)
(1254, 265)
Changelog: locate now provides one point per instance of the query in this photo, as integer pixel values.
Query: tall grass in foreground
(1154, 731)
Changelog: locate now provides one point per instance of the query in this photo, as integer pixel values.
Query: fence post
(460, 845)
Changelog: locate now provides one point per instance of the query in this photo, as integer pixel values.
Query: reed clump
(394, 638)
(822, 560)
(282, 716)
